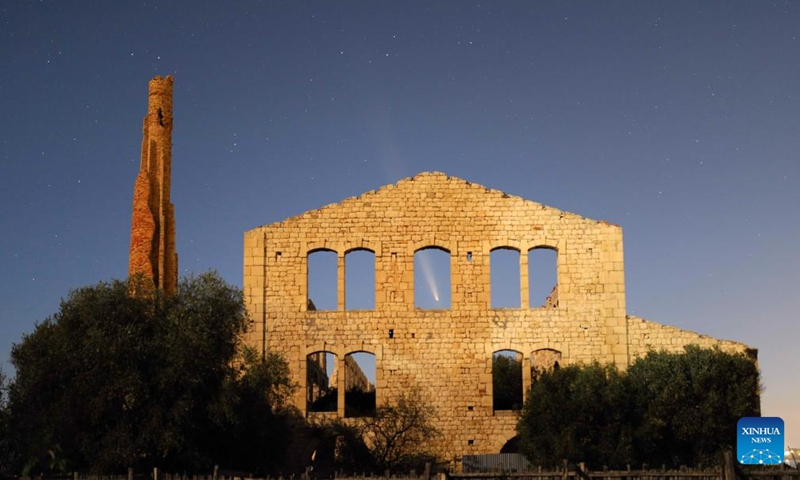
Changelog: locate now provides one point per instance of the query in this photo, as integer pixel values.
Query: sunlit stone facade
(447, 354)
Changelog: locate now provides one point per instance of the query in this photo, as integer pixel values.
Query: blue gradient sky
(678, 120)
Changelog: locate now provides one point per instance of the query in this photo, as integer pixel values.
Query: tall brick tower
(153, 226)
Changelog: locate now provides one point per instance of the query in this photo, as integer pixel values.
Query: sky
(679, 121)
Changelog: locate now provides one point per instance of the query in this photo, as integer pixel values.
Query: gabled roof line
(424, 176)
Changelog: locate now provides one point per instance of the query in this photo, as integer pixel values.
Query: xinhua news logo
(759, 441)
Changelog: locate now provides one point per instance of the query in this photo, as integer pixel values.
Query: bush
(114, 381)
(671, 409)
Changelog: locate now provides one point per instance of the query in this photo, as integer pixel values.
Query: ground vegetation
(668, 409)
(115, 380)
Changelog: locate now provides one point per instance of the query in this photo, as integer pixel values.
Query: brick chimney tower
(153, 226)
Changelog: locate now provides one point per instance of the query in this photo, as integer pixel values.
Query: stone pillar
(524, 281)
(152, 252)
(340, 282)
(341, 384)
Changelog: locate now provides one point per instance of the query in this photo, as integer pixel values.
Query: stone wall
(644, 335)
(445, 355)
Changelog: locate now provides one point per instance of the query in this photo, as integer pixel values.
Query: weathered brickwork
(152, 250)
(446, 354)
(644, 335)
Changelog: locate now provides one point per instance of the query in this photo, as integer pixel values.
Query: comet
(430, 279)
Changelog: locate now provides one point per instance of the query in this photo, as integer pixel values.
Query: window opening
(359, 393)
(432, 278)
(504, 277)
(511, 446)
(321, 392)
(507, 380)
(543, 277)
(323, 279)
(359, 280)
(543, 360)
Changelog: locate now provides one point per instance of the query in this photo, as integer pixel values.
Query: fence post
(155, 473)
(730, 473)
(566, 470)
(130, 473)
(216, 472)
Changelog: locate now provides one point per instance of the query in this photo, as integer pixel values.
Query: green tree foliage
(670, 409)
(579, 414)
(506, 382)
(687, 405)
(114, 381)
(255, 420)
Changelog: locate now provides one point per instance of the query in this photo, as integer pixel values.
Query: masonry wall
(445, 355)
(644, 335)
(152, 251)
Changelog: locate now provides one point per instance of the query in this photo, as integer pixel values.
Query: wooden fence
(731, 470)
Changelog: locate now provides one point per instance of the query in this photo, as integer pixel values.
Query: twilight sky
(680, 121)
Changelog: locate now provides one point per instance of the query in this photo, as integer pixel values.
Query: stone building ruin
(152, 252)
(444, 354)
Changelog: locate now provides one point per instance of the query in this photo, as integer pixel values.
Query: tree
(255, 419)
(668, 408)
(82, 381)
(114, 381)
(400, 433)
(6, 448)
(688, 404)
(397, 438)
(576, 413)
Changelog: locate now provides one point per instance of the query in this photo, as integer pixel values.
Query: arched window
(543, 277)
(321, 392)
(359, 393)
(543, 360)
(322, 280)
(432, 278)
(507, 380)
(359, 279)
(504, 273)
(511, 446)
